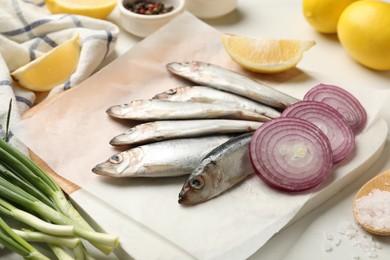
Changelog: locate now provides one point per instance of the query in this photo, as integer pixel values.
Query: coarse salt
(349, 231)
(374, 209)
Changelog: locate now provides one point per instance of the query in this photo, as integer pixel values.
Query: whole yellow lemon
(364, 32)
(323, 15)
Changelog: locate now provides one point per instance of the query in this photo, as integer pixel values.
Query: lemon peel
(323, 15)
(265, 55)
(364, 32)
(50, 69)
(99, 9)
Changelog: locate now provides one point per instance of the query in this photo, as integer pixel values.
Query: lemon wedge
(265, 55)
(50, 69)
(93, 8)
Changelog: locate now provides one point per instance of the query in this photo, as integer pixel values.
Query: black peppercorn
(148, 7)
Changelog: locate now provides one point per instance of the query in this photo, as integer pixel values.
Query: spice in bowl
(148, 7)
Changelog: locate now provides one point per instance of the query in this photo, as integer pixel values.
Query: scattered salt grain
(355, 236)
(328, 247)
(374, 209)
(328, 236)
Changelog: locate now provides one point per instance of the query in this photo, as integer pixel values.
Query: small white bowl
(143, 25)
(206, 9)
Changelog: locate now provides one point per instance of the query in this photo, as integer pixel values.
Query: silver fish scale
(154, 109)
(162, 159)
(163, 130)
(217, 77)
(210, 95)
(221, 169)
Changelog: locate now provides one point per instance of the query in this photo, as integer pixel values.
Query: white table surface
(315, 235)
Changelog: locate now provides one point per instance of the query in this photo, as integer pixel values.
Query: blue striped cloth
(28, 30)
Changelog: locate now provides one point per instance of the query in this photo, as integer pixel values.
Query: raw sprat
(217, 77)
(215, 96)
(171, 129)
(168, 158)
(330, 142)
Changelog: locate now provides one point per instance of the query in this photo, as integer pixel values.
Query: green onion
(18, 181)
(6, 137)
(35, 236)
(61, 253)
(13, 241)
(32, 197)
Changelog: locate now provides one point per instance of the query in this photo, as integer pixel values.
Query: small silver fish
(220, 170)
(211, 95)
(161, 159)
(154, 109)
(217, 77)
(170, 129)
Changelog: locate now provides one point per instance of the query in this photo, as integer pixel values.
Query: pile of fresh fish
(201, 131)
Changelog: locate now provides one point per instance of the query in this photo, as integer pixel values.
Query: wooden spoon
(381, 182)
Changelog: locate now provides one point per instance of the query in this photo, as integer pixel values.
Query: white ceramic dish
(206, 9)
(143, 25)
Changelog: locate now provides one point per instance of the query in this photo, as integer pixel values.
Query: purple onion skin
(328, 119)
(341, 100)
(277, 170)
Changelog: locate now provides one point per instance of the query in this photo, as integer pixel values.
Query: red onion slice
(291, 154)
(343, 101)
(331, 122)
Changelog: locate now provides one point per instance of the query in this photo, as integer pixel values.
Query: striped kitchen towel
(28, 30)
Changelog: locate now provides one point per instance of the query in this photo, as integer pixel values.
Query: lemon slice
(265, 55)
(93, 8)
(50, 69)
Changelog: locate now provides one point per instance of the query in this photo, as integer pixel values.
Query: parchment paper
(72, 135)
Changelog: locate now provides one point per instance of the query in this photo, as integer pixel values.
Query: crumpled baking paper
(71, 133)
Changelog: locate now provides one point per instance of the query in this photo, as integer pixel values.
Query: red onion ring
(291, 154)
(343, 101)
(331, 122)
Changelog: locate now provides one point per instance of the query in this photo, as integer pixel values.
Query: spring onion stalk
(10, 192)
(13, 241)
(18, 181)
(44, 198)
(35, 236)
(11, 161)
(27, 218)
(6, 137)
(61, 253)
(78, 252)
(35, 175)
(15, 194)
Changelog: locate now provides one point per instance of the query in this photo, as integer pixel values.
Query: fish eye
(117, 158)
(197, 183)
